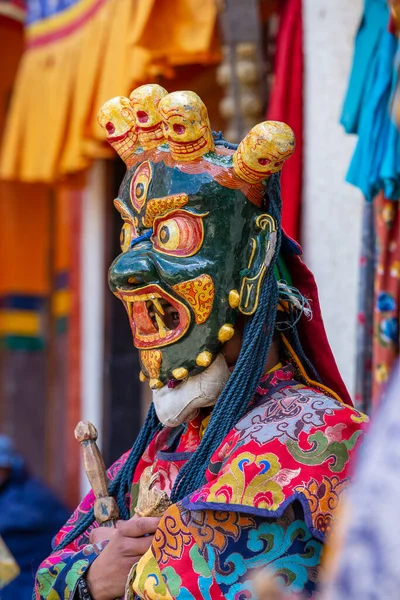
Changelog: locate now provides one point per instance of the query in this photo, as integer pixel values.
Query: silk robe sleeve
(216, 555)
(58, 575)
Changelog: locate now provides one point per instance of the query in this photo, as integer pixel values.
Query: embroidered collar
(277, 377)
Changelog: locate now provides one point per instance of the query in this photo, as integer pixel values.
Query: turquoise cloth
(375, 163)
(372, 26)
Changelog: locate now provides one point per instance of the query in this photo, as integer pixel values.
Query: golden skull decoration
(144, 102)
(263, 151)
(116, 117)
(186, 125)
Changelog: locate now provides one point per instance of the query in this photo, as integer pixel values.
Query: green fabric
(281, 271)
(20, 342)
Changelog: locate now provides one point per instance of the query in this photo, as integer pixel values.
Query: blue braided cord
(145, 236)
(121, 484)
(305, 361)
(150, 428)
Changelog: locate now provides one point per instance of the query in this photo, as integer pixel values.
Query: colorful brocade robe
(268, 500)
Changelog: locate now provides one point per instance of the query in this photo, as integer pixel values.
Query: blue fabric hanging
(375, 163)
(370, 31)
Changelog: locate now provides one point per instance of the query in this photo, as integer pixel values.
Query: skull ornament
(263, 151)
(186, 125)
(144, 101)
(116, 117)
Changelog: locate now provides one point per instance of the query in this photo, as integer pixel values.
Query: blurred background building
(66, 348)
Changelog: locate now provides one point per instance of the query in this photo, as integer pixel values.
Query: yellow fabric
(19, 322)
(204, 425)
(61, 303)
(51, 129)
(148, 582)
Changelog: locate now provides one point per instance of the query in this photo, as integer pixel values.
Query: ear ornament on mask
(262, 252)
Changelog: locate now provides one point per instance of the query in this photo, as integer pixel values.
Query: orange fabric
(24, 216)
(61, 230)
(65, 81)
(24, 239)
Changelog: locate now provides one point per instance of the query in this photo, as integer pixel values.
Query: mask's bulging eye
(164, 234)
(140, 185)
(126, 236)
(180, 233)
(139, 190)
(169, 235)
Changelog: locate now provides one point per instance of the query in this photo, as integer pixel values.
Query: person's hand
(107, 575)
(102, 534)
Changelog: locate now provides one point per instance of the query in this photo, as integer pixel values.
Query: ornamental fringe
(77, 59)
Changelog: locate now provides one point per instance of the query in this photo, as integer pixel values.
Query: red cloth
(286, 104)
(312, 331)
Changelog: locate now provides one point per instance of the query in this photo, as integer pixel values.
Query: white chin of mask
(180, 405)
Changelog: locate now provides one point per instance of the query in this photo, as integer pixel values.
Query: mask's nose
(132, 268)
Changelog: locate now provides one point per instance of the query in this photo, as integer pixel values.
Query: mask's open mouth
(156, 318)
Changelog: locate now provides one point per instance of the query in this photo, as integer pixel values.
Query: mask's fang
(158, 306)
(162, 330)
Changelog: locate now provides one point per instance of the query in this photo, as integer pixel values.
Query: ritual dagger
(105, 507)
(151, 501)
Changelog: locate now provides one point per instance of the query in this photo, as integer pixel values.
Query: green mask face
(195, 248)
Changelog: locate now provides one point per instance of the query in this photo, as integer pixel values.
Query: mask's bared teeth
(158, 306)
(162, 330)
(129, 306)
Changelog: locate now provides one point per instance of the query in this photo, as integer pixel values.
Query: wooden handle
(105, 507)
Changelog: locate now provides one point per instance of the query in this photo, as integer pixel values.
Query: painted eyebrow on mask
(157, 207)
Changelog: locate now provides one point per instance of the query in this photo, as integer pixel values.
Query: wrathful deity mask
(196, 243)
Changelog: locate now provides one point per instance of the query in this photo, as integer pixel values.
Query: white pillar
(332, 208)
(92, 288)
